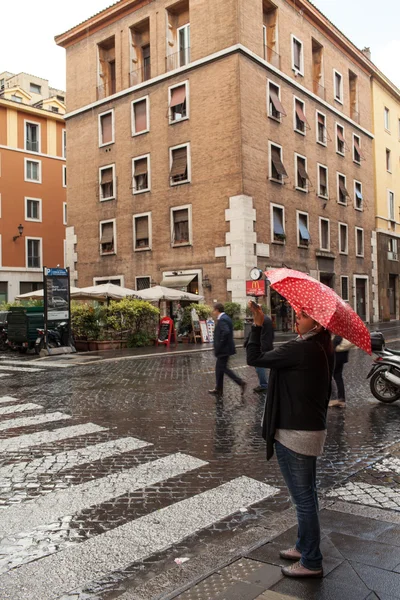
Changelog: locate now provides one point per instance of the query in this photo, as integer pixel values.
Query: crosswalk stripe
(4, 399)
(67, 460)
(29, 440)
(53, 506)
(134, 541)
(20, 369)
(37, 420)
(36, 363)
(388, 464)
(5, 374)
(370, 495)
(8, 410)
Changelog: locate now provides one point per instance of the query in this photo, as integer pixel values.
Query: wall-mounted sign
(255, 288)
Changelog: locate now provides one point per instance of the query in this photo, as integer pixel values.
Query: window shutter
(321, 120)
(342, 188)
(296, 53)
(178, 96)
(107, 233)
(277, 103)
(106, 176)
(322, 176)
(300, 113)
(141, 167)
(142, 228)
(340, 135)
(278, 164)
(179, 162)
(301, 169)
(106, 128)
(180, 216)
(140, 109)
(278, 225)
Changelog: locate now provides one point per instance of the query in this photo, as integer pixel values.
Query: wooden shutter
(342, 188)
(141, 167)
(179, 162)
(277, 162)
(142, 228)
(140, 109)
(178, 96)
(106, 176)
(106, 129)
(301, 169)
(277, 103)
(322, 177)
(107, 233)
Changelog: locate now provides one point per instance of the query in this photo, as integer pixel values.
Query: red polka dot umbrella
(322, 304)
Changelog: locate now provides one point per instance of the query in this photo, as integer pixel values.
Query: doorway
(392, 296)
(361, 298)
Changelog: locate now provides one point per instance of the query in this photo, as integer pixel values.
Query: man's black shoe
(243, 385)
(260, 390)
(215, 392)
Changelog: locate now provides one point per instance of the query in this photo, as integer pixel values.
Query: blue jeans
(299, 473)
(262, 377)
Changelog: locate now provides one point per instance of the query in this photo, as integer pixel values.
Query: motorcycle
(55, 337)
(385, 372)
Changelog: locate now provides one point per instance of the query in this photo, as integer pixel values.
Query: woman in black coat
(294, 423)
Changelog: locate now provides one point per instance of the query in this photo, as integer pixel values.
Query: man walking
(224, 347)
(267, 344)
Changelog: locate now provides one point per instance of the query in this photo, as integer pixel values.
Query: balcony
(272, 57)
(107, 89)
(140, 75)
(319, 90)
(32, 146)
(177, 60)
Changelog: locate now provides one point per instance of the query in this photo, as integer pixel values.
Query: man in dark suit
(224, 347)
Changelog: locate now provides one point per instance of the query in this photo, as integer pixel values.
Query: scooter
(55, 337)
(385, 371)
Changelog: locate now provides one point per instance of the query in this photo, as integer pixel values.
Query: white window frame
(64, 143)
(338, 176)
(173, 209)
(394, 205)
(297, 71)
(64, 176)
(189, 165)
(388, 164)
(325, 143)
(327, 181)
(355, 200)
(296, 175)
(340, 99)
(39, 200)
(142, 277)
(114, 222)
(142, 99)
(269, 83)
(39, 162)
(357, 162)
(328, 249)
(346, 251)
(298, 214)
(386, 121)
(363, 242)
(281, 207)
(172, 87)
(270, 144)
(337, 125)
(185, 27)
(296, 99)
(30, 122)
(135, 192)
(41, 252)
(103, 114)
(348, 288)
(65, 214)
(114, 197)
(150, 246)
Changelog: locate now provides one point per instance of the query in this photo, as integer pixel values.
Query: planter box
(106, 345)
(81, 345)
(238, 335)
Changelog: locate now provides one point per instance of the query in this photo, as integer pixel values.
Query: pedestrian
(342, 348)
(283, 311)
(294, 422)
(224, 347)
(267, 344)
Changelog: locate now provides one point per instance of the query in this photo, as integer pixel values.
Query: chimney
(367, 52)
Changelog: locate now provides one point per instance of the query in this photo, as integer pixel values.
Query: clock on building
(256, 274)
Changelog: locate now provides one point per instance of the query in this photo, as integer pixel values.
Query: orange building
(33, 209)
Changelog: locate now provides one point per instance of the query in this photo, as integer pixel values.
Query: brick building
(206, 138)
(33, 208)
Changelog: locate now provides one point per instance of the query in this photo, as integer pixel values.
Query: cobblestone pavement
(110, 470)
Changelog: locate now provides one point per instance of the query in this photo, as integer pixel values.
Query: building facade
(32, 182)
(219, 136)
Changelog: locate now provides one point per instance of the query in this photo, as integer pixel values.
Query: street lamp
(20, 230)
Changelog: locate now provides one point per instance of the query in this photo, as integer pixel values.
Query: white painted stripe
(67, 460)
(370, 495)
(47, 437)
(389, 464)
(8, 399)
(18, 362)
(8, 410)
(38, 420)
(19, 369)
(47, 509)
(116, 549)
(5, 374)
(36, 363)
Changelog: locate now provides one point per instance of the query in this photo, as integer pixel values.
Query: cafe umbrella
(321, 303)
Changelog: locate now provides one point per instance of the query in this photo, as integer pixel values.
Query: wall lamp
(206, 282)
(20, 231)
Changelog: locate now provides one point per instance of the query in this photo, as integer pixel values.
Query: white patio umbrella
(38, 294)
(104, 292)
(158, 292)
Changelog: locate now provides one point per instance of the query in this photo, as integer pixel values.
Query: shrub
(131, 315)
(233, 310)
(238, 325)
(139, 339)
(85, 320)
(203, 310)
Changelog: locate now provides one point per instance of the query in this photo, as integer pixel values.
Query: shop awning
(177, 281)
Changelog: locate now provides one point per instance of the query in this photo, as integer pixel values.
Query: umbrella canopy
(103, 292)
(38, 294)
(159, 292)
(322, 304)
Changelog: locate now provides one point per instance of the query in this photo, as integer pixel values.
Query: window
(64, 175)
(181, 226)
(32, 137)
(301, 173)
(359, 241)
(106, 128)
(3, 289)
(29, 286)
(61, 98)
(141, 174)
(338, 86)
(108, 237)
(278, 223)
(64, 143)
(358, 195)
(142, 232)
(33, 170)
(324, 234)
(344, 287)
(106, 68)
(297, 56)
(146, 61)
(275, 108)
(140, 53)
(142, 283)
(300, 121)
(184, 45)
(356, 149)
(388, 161)
(303, 234)
(392, 249)
(270, 33)
(386, 115)
(277, 171)
(353, 87)
(391, 206)
(340, 140)
(16, 98)
(34, 253)
(141, 116)
(178, 102)
(318, 68)
(33, 209)
(322, 181)
(35, 88)
(342, 193)
(65, 214)
(343, 239)
(180, 164)
(55, 109)
(107, 182)
(321, 129)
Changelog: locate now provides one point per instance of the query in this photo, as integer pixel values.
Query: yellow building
(386, 128)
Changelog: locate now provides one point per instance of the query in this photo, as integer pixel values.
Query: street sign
(56, 286)
(255, 288)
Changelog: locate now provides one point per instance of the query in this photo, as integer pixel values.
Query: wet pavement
(112, 469)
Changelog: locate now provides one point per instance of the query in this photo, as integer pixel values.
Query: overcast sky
(28, 30)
